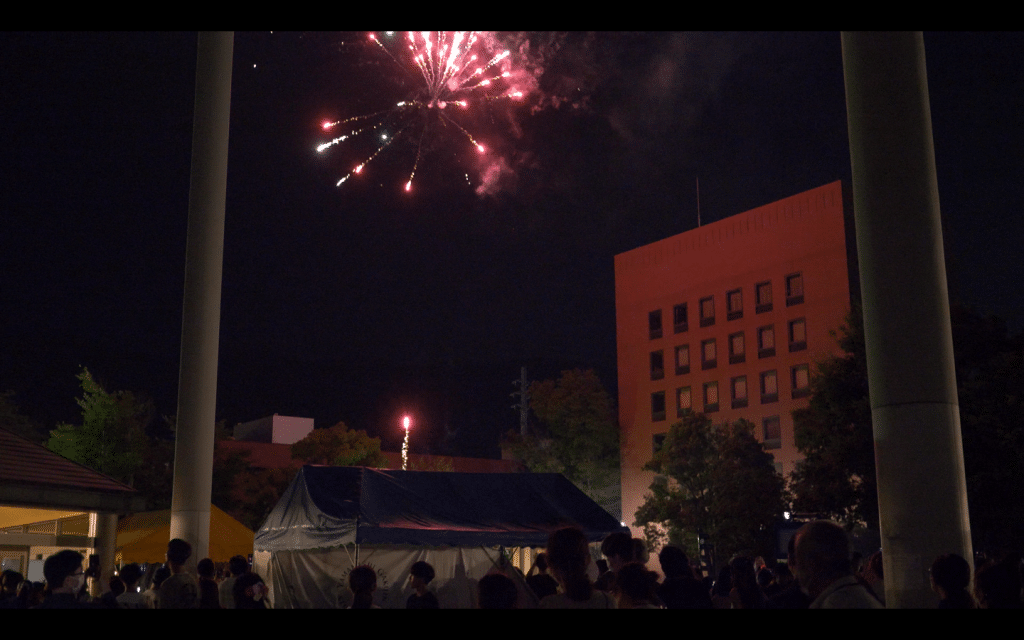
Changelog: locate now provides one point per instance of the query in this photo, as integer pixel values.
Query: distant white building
(274, 429)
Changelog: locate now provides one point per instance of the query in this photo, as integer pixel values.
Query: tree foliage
(341, 447)
(577, 434)
(14, 421)
(260, 489)
(433, 463)
(990, 389)
(717, 481)
(112, 437)
(250, 493)
(837, 477)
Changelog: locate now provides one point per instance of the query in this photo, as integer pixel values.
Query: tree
(990, 390)
(837, 476)
(434, 463)
(577, 434)
(13, 420)
(155, 478)
(339, 446)
(261, 490)
(229, 465)
(716, 481)
(112, 437)
(254, 492)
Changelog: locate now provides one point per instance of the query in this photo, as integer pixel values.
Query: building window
(797, 335)
(654, 323)
(734, 304)
(710, 397)
(763, 297)
(682, 359)
(794, 289)
(707, 311)
(684, 402)
(657, 365)
(679, 318)
(736, 349)
(739, 392)
(800, 376)
(708, 354)
(769, 387)
(658, 406)
(772, 432)
(766, 342)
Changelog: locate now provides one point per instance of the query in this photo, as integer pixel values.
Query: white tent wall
(331, 519)
(319, 578)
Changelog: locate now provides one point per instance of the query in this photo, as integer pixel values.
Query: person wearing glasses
(64, 579)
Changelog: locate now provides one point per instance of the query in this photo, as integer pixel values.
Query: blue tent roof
(331, 506)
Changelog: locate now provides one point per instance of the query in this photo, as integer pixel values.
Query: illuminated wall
(729, 319)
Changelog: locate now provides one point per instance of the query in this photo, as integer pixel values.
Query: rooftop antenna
(698, 201)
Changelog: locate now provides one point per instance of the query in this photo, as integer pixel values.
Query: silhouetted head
(497, 591)
(674, 562)
(178, 551)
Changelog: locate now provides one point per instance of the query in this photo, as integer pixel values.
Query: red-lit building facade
(729, 319)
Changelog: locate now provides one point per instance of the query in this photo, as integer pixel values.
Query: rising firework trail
(458, 73)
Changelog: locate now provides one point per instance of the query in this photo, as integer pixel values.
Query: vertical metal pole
(922, 494)
(200, 327)
(524, 400)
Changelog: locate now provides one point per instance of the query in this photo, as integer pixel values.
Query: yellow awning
(143, 537)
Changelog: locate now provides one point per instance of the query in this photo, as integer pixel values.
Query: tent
(143, 537)
(333, 518)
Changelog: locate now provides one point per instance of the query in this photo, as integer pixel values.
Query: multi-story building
(729, 319)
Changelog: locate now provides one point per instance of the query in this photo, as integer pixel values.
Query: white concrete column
(200, 327)
(106, 547)
(922, 495)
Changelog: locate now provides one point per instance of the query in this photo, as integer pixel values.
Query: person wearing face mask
(64, 579)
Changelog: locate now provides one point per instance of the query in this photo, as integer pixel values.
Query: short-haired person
(680, 590)
(420, 575)
(64, 578)
(497, 591)
(180, 591)
(823, 569)
(132, 598)
(237, 566)
(635, 587)
(568, 559)
(209, 597)
(619, 549)
(10, 580)
(362, 580)
(950, 577)
(790, 596)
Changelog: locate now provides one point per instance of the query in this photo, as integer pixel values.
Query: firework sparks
(406, 423)
(461, 71)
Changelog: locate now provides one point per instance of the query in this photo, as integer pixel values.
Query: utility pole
(524, 399)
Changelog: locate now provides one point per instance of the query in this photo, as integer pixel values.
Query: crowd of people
(162, 586)
(820, 573)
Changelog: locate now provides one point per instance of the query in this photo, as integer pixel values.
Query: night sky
(361, 302)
